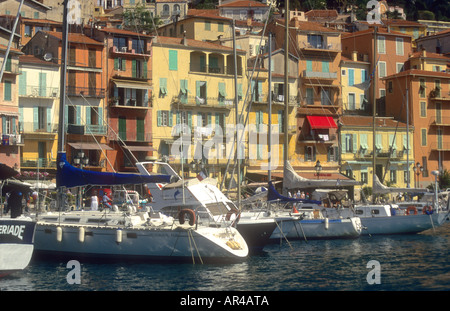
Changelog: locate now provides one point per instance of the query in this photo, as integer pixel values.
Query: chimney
(184, 41)
(354, 56)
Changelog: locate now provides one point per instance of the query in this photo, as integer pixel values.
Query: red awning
(321, 122)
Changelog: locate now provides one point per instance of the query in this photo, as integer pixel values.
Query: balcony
(130, 103)
(38, 127)
(38, 91)
(130, 137)
(35, 162)
(88, 129)
(321, 47)
(319, 75)
(439, 95)
(11, 68)
(125, 50)
(12, 140)
(208, 102)
(380, 154)
(85, 91)
(318, 139)
(440, 146)
(440, 121)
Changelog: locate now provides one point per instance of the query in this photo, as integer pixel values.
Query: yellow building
(259, 112)
(194, 85)
(412, 28)
(355, 84)
(390, 146)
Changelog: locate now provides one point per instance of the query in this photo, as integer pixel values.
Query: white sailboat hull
(180, 244)
(401, 224)
(319, 229)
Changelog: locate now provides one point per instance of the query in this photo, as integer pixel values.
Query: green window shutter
(240, 92)
(35, 118)
(173, 60)
(8, 64)
(190, 119)
(207, 25)
(42, 84)
(116, 64)
(308, 65)
(220, 27)
(100, 116)
(122, 128)
(202, 63)
(170, 118)
(124, 64)
(133, 68)
(354, 141)
(378, 143)
(209, 118)
(23, 83)
(199, 119)
(88, 115)
(280, 121)
(178, 121)
(140, 132)
(325, 66)
(159, 118)
(78, 115)
(7, 90)
(163, 86)
(344, 143)
(145, 70)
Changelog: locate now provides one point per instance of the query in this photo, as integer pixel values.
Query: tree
(139, 19)
(444, 179)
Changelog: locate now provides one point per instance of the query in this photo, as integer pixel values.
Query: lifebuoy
(412, 209)
(427, 210)
(230, 213)
(191, 216)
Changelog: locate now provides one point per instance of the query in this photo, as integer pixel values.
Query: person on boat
(15, 203)
(94, 202)
(106, 201)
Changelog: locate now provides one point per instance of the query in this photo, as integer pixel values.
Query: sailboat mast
(269, 145)
(374, 109)
(62, 88)
(286, 83)
(11, 38)
(236, 103)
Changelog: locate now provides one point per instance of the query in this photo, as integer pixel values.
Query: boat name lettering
(15, 230)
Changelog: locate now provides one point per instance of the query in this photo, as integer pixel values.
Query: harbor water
(417, 262)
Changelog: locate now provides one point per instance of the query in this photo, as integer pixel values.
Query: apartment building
(85, 105)
(39, 86)
(127, 76)
(193, 85)
(12, 140)
(427, 88)
(390, 147)
(393, 49)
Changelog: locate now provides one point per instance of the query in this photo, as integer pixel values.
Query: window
(363, 75)
(310, 153)
(349, 143)
(200, 92)
(325, 66)
(382, 69)
(309, 65)
(162, 87)
(364, 175)
(203, 119)
(220, 26)
(393, 176)
(325, 97)
(120, 64)
(315, 41)
(27, 32)
(120, 43)
(423, 109)
(351, 102)
(222, 93)
(399, 46)
(310, 96)
(207, 25)
(422, 88)
(381, 45)
(164, 118)
(399, 67)
(423, 137)
(437, 88)
(390, 88)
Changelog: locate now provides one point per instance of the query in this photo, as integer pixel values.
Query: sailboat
(16, 230)
(144, 235)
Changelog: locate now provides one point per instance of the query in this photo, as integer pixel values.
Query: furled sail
(379, 188)
(291, 180)
(274, 195)
(70, 176)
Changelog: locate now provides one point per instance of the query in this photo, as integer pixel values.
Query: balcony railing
(440, 146)
(222, 70)
(88, 129)
(126, 50)
(131, 137)
(85, 91)
(35, 162)
(318, 138)
(329, 47)
(440, 121)
(39, 91)
(11, 139)
(208, 102)
(319, 74)
(36, 127)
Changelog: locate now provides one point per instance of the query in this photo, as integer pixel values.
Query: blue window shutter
(325, 66)
(159, 118)
(170, 118)
(351, 77)
(78, 115)
(308, 65)
(88, 115)
(42, 84)
(21, 119)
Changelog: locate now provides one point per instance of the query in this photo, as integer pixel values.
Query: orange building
(429, 113)
(393, 49)
(127, 76)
